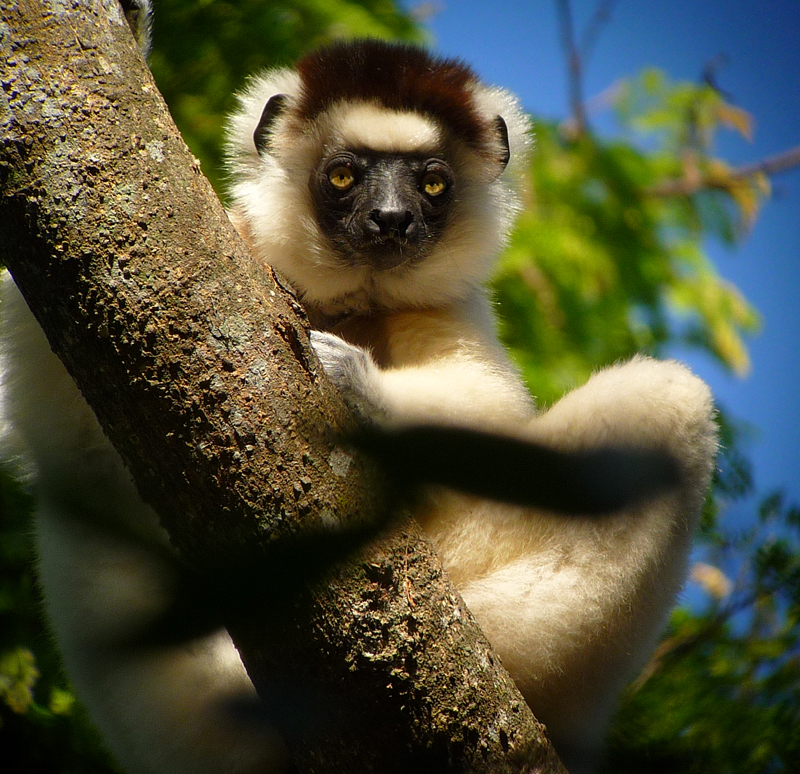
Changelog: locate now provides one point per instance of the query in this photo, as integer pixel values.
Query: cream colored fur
(573, 606)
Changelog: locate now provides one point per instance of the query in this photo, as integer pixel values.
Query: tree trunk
(198, 366)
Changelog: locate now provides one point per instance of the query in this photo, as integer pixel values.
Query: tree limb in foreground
(198, 366)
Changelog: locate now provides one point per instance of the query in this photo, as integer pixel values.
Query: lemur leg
(575, 616)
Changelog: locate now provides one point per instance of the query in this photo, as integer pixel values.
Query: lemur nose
(391, 223)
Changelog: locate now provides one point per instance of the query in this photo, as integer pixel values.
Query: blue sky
(516, 44)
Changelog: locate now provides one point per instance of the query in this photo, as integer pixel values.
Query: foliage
(722, 693)
(608, 257)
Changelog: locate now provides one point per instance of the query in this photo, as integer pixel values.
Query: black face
(382, 210)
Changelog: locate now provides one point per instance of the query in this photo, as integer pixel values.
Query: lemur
(379, 180)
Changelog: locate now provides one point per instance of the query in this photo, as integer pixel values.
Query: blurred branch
(678, 645)
(692, 183)
(709, 75)
(574, 66)
(600, 18)
(773, 165)
(578, 55)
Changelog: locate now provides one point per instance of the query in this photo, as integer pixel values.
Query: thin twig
(678, 645)
(709, 76)
(600, 17)
(574, 66)
(772, 165)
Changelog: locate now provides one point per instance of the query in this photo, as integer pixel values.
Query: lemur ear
(502, 135)
(274, 107)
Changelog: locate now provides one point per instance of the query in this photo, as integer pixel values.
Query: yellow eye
(341, 178)
(433, 184)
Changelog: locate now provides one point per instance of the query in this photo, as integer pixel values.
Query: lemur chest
(398, 339)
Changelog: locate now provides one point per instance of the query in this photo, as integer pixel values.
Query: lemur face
(371, 176)
(381, 209)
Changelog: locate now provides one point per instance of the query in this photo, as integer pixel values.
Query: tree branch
(198, 366)
(773, 165)
(574, 66)
(600, 17)
(678, 645)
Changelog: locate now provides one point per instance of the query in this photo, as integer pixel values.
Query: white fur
(572, 606)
